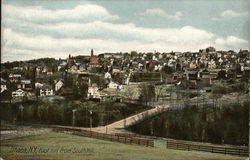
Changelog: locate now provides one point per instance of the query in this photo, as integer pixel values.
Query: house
(44, 70)
(49, 72)
(212, 64)
(46, 90)
(192, 65)
(18, 68)
(15, 77)
(184, 84)
(107, 75)
(83, 67)
(73, 68)
(191, 74)
(62, 64)
(93, 92)
(38, 85)
(114, 85)
(203, 73)
(94, 61)
(25, 84)
(58, 85)
(231, 73)
(3, 87)
(246, 71)
(18, 93)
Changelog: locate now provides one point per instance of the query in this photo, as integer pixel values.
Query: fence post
(167, 143)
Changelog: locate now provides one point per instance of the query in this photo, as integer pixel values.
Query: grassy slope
(102, 150)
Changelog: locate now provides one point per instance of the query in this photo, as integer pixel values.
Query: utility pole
(21, 109)
(74, 117)
(90, 119)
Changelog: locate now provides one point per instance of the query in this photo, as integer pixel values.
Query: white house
(18, 93)
(211, 64)
(107, 75)
(114, 85)
(3, 87)
(49, 72)
(58, 85)
(46, 91)
(25, 84)
(38, 85)
(93, 92)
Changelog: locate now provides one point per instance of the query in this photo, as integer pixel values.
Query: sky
(42, 28)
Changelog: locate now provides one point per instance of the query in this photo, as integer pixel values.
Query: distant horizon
(36, 29)
(96, 54)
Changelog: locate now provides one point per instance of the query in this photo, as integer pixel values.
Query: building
(38, 85)
(92, 52)
(94, 61)
(114, 85)
(93, 92)
(3, 87)
(25, 84)
(58, 85)
(46, 91)
(18, 93)
(107, 75)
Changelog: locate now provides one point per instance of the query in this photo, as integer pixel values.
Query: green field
(55, 146)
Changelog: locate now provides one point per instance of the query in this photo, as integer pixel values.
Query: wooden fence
(241, 151)
(111, 137)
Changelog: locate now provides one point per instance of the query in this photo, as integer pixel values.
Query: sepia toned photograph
(125, 80)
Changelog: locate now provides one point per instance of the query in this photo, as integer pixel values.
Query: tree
(158, 92)
(82, 88)
(240, 88)
(150, 55)
(133, 53)
(167, 70)
(6, 96)
(130, 93)
(147, 93)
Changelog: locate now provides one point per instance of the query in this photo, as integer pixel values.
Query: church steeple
(92, 52)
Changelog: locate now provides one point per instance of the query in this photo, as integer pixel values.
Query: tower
(92, 52)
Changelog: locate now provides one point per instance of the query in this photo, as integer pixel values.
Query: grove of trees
(60, 112)
(227, 124)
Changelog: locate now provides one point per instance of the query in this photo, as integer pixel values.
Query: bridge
(119, 126)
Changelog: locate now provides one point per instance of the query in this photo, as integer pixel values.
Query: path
(119, 126)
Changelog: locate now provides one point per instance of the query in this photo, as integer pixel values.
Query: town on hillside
(163, 77)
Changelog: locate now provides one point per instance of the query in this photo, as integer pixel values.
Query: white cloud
(231, 13)
(216, 19)
(124, 32)
(42, 15)
(22, 46)
(231, 42)
(16, 44)
(162, 13)
(25, 37)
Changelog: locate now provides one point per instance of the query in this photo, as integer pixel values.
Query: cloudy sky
(41, 28)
